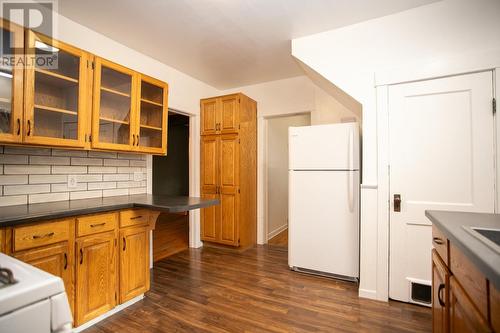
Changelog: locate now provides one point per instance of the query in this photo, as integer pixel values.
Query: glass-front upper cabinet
(11, 82)
(115, 93)
(56, 93)
(151, 123)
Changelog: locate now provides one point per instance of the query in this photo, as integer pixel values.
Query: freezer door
(324, 221)
(324, 147)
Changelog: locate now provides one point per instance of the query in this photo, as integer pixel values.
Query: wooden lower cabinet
(440, 294)
(134, 262)
(95, 276)
(55, 259)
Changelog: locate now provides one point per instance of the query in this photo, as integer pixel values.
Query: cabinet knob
(440, 289)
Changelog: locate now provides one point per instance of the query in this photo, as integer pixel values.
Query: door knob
(397, 202)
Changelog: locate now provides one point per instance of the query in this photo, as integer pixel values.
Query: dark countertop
(20, 214)
(482, 256)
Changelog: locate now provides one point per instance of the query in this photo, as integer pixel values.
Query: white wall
(444, 38)
(277, 170)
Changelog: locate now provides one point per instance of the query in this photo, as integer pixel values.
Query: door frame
(262, 173)
(383, 175)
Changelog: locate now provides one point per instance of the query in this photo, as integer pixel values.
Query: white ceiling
(225, 43)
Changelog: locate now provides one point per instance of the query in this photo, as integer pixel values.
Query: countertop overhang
(21, 214)
(451, 224)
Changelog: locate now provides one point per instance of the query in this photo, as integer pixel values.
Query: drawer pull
(81, 256)
(50, 234)
(65, 261)
(441, 287)
(97, 225)
(438, 240)
(136, 217)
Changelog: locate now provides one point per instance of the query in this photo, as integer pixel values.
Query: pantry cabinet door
(229, 114)
(56, 98)
(95, 276)
(115, 106)
(151, 118)
(209, 116)
(11, 84)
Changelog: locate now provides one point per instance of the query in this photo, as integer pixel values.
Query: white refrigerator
(324, 200)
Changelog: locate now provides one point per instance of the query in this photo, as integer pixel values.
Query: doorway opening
(277, 175)
(171, 177)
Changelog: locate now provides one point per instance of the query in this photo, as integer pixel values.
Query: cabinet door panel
(56, 93)
(151, 133)
(11, 85)
(464, 316)
(210, 219)
(440, 292)
(56, 260)
(96, 281)
(134, 262)
(229, 219)
(229, 163)
(229, 114)
(210, 163)
(115, 93)
(209, 116)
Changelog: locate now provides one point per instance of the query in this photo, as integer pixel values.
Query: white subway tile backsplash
(25, 189)
(47, 179)
(13, 200)
(13, 159)
(48, 197)
(49, 160)
(94, 169)
(86, 161)
(13, 179)
(36, 175)
(101, 186)
(85, 195)
(112, 193)
(26, 169)
(67, 170)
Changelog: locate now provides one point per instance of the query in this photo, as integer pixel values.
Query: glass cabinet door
(11, 82)
(56, 83)
(114, 90)
(151, 134)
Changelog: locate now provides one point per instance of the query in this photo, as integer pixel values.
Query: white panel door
(441, 157)
(323, 227)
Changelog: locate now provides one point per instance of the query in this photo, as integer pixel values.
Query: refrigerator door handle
(350, 178)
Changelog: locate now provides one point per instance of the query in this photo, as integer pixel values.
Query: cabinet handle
(29, 127)
(97, 225)
(136, 217)
(50, 234)
(65, 261)
(438, 241)
(441, 287)
(18, 126)
(133, 139)
(81, 256)
(137, 140)
(124, 243)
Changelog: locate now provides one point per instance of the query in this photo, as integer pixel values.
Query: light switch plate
(72, 181)
(137, 176)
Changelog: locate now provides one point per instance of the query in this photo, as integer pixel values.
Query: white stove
(31, 300)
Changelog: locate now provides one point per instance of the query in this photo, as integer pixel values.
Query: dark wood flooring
(216, 290)
(280, 239)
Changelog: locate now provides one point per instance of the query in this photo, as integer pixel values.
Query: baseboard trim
(117, 308)
(277, 231)
(366, 293)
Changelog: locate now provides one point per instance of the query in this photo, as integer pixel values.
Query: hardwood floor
(216, 290)
(280, 239)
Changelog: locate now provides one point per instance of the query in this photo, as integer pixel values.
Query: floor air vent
(421, 293)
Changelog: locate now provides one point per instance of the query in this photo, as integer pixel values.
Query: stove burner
(6, 277)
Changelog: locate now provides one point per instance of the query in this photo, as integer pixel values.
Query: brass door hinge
(494, 104)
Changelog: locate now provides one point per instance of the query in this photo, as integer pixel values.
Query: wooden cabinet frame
(29, 90)
(17, 121)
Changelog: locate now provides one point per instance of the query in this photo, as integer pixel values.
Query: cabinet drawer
(93, 224)
(470, 279)
(440, 243)
(134, 217)
(28, 237)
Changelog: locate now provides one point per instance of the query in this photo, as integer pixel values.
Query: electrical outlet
(72, 181)
(137, 176)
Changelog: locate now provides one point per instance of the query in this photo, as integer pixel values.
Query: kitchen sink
(489, 236)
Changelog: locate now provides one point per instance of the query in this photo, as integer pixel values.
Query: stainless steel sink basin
(489, 236)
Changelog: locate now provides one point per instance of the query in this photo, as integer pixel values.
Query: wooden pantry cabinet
(229, 170)
(77, 100)
(102, 258)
